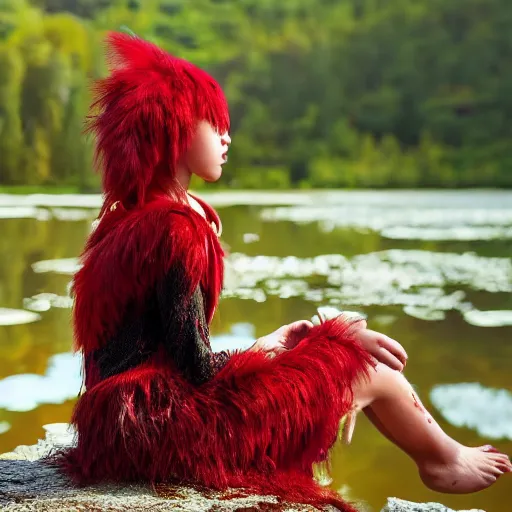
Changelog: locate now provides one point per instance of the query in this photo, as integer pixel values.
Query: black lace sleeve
(186, 334)
(167, 319)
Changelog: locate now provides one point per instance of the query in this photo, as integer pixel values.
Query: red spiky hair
(144, 116)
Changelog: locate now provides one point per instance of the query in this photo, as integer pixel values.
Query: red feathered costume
(159, 405)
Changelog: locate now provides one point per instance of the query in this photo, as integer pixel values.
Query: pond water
(431, 269)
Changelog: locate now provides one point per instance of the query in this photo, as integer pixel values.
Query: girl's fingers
(301, 327)
(295, 332)
(358, 325)
(386, 357)
(394, 347)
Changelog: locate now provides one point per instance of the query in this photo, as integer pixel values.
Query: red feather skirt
(259, 424)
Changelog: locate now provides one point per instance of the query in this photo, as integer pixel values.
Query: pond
(432, 269)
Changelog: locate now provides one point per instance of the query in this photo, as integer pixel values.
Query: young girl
(159, 405)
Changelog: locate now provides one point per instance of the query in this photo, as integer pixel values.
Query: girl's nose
(226, 139)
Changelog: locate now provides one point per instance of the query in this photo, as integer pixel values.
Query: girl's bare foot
(391, 404)
(472, 469)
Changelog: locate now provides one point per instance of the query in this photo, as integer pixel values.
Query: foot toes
(504, 468)
(496, 471)
(500, 457)
(492, 474)
(502, 460)
(489, 448)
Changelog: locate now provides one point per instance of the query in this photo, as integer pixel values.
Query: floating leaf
(486, 410)
(17, 316)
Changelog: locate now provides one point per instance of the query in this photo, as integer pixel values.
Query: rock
(27, 484)
(33, 486)
(397, 505)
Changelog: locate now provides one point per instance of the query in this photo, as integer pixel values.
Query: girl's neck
(183, 176)
(195, 205)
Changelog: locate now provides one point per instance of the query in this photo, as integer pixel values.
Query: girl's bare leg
(445, 465)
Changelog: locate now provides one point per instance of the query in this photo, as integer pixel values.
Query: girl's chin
(213, 176)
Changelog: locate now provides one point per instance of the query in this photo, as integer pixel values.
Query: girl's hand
(383, 348)
(285, 338)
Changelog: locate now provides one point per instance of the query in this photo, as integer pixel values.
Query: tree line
(323, 93)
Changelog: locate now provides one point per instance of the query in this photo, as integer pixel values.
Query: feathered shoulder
(128, 252)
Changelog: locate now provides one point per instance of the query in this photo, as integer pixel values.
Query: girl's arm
(186, 334)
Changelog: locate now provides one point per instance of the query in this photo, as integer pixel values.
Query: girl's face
(208, 152)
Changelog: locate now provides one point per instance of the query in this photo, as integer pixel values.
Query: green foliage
(11, 134)
(359, 93)
(45, 64)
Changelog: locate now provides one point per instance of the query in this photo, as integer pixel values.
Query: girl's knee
(382, 382)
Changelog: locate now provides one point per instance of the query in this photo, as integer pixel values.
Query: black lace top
(165, 322)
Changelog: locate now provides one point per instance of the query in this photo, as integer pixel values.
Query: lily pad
(461, 233)
(17, 316)
(471, 405)
(19, 212)
(488, 318)
(68, 266)
(420, 215)
(250, 238)
(419, 279)
(26, 391)
(63, 380)
(44, 301)
(430, 315)
(241, 337)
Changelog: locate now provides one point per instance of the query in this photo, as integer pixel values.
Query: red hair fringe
(144, 116)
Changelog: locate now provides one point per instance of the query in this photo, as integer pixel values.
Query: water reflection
(486, 410)
(463, 216)
(62, 379)
(45, 301)
(423, 282)
(17, 316)
(66, 266)
(418, 280)
(61, 382)
(466, 233)
(446, 298)
(488, 318)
